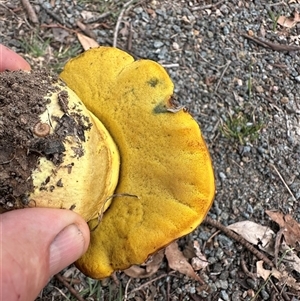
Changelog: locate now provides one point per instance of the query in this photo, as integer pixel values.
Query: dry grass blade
(283, 181)
(179, 263)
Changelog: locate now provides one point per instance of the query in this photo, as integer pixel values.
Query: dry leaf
(148, 269)
(255, 233)
(289, 22)
(292, 233)
(86, 42)
(200, 262)
(283, 277)
(179, 263)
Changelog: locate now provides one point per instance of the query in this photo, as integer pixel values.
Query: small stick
(60, 278)
(206, 61)
(30, 11)
(175, 65)
(126, 289)
(239, 239)
(53, 15)
(6, 162)
(284, 183)
(119, 22)
(273, 46)
(245, 268)
(222, 75)
(150, 281)
(59, 26)
(129, 38)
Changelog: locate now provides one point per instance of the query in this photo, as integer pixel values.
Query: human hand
(9, 60)
(35, 243)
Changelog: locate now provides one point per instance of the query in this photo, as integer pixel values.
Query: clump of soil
(24, 138)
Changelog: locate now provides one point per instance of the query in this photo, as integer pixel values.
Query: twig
(30, 11)
(62, 293)
(239, 239)
(271, 45)
(8, 161)
(129, 38)
(207, 6)
(206, 61)
(69, 287)
(126, 289)
(245, 268)
(168, 291)
(150, 281)
(175, 65)
(59, 26)
(284, 183)
(53, 15)
(119, 22)
(222, 75)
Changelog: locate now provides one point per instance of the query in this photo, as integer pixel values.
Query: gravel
(222, 78)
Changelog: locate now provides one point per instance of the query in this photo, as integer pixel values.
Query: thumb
(9, 60)
(36, 243)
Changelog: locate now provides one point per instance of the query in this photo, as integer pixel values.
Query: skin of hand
(35, 243)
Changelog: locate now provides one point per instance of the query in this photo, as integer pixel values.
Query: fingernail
(66, 248)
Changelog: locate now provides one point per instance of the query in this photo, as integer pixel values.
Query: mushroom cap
(164, 159)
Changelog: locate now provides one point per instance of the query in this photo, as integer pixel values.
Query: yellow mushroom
(164, 159)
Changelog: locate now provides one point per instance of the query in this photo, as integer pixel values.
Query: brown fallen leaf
(199, 262)
(289, 22)
(255, 233)
(292, 233)
(148, 269)
(178, 262)
(86, 42)
(283, 277)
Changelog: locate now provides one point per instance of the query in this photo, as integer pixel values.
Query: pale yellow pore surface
(89, 173)
(164, 159)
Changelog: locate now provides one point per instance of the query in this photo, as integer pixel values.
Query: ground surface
(244, 96)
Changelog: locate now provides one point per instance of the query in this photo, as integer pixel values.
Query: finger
(36, 244)
(9, 60)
